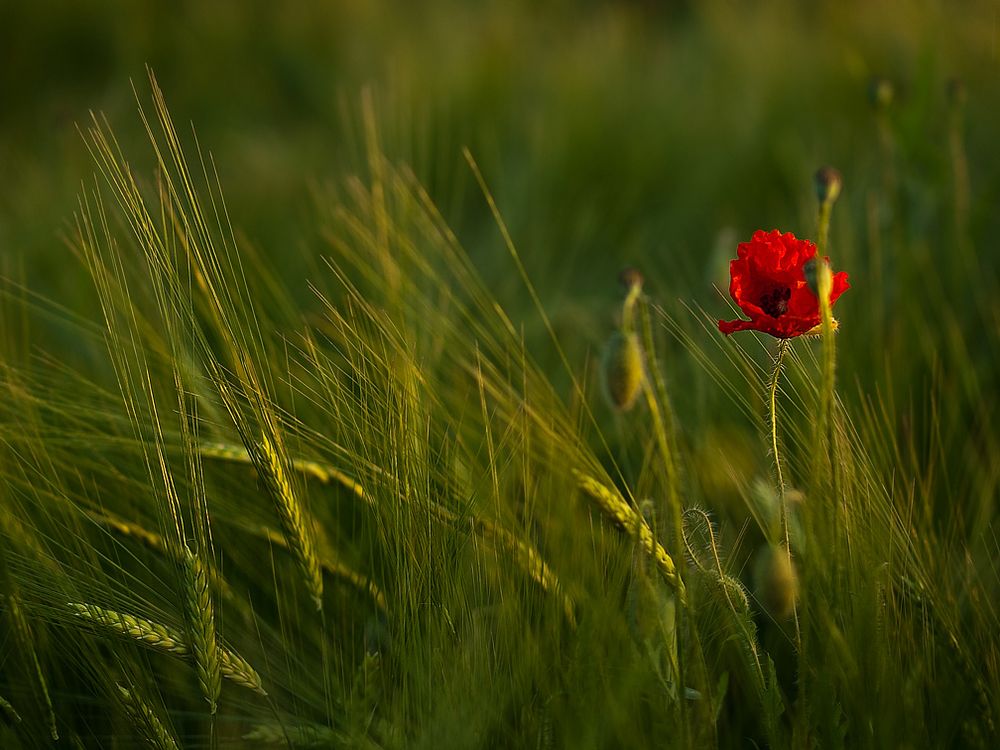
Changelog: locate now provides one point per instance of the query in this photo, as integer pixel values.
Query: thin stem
(663, 425)
(779, 358)
(826, 448)
(628, 308)
(823, 229)
(773, 395)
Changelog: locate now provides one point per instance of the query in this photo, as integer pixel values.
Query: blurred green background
(611, 133)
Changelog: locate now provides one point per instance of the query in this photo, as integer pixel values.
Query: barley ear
(529, 560)
(234, 667)
(231, 665)
(274, 477)
(200, 618)
(145, 631)
(613, 505)
(145, 721)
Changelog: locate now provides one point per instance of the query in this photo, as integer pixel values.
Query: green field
(326, 420)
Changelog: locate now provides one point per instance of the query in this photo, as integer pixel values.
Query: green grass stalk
(27, 643)
(9, 711)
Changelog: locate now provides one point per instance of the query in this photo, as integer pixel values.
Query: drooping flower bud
(631, 278)
(828, 184)
(809, 271)
(815, 269)
(622, 370)
(733, 591)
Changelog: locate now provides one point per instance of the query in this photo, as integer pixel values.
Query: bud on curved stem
(632, 280)
(622, 367)
(622, 370)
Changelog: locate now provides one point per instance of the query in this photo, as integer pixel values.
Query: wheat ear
(237, 669)
(145, 721)
(156, 543)
(200, 616)
(337, 569)
(525, 555)
(150, 539)
(321, 472)
(163, 638)
(270, 464)
(146, 631)
(238, 453)
(613, 505)
(271, 469)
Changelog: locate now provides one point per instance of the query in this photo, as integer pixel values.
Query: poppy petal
(767, 281)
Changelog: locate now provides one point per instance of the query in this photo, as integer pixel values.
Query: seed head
(735, 593)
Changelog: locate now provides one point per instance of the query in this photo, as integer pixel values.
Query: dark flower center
(775, 302)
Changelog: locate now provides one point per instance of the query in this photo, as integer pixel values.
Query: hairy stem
(772, 388)
(779, 359)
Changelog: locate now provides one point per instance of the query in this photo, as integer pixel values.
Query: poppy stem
(828, 188)
(779, 359)
(823, 228)
(826, 451)
(628, 308)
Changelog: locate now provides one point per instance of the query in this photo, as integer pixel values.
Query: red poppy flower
(769, 284)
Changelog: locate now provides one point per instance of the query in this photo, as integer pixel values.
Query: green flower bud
(622, 370)
(828, 183)
(631, 278)
(818, 274)
(809, 271)
(734, 593)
